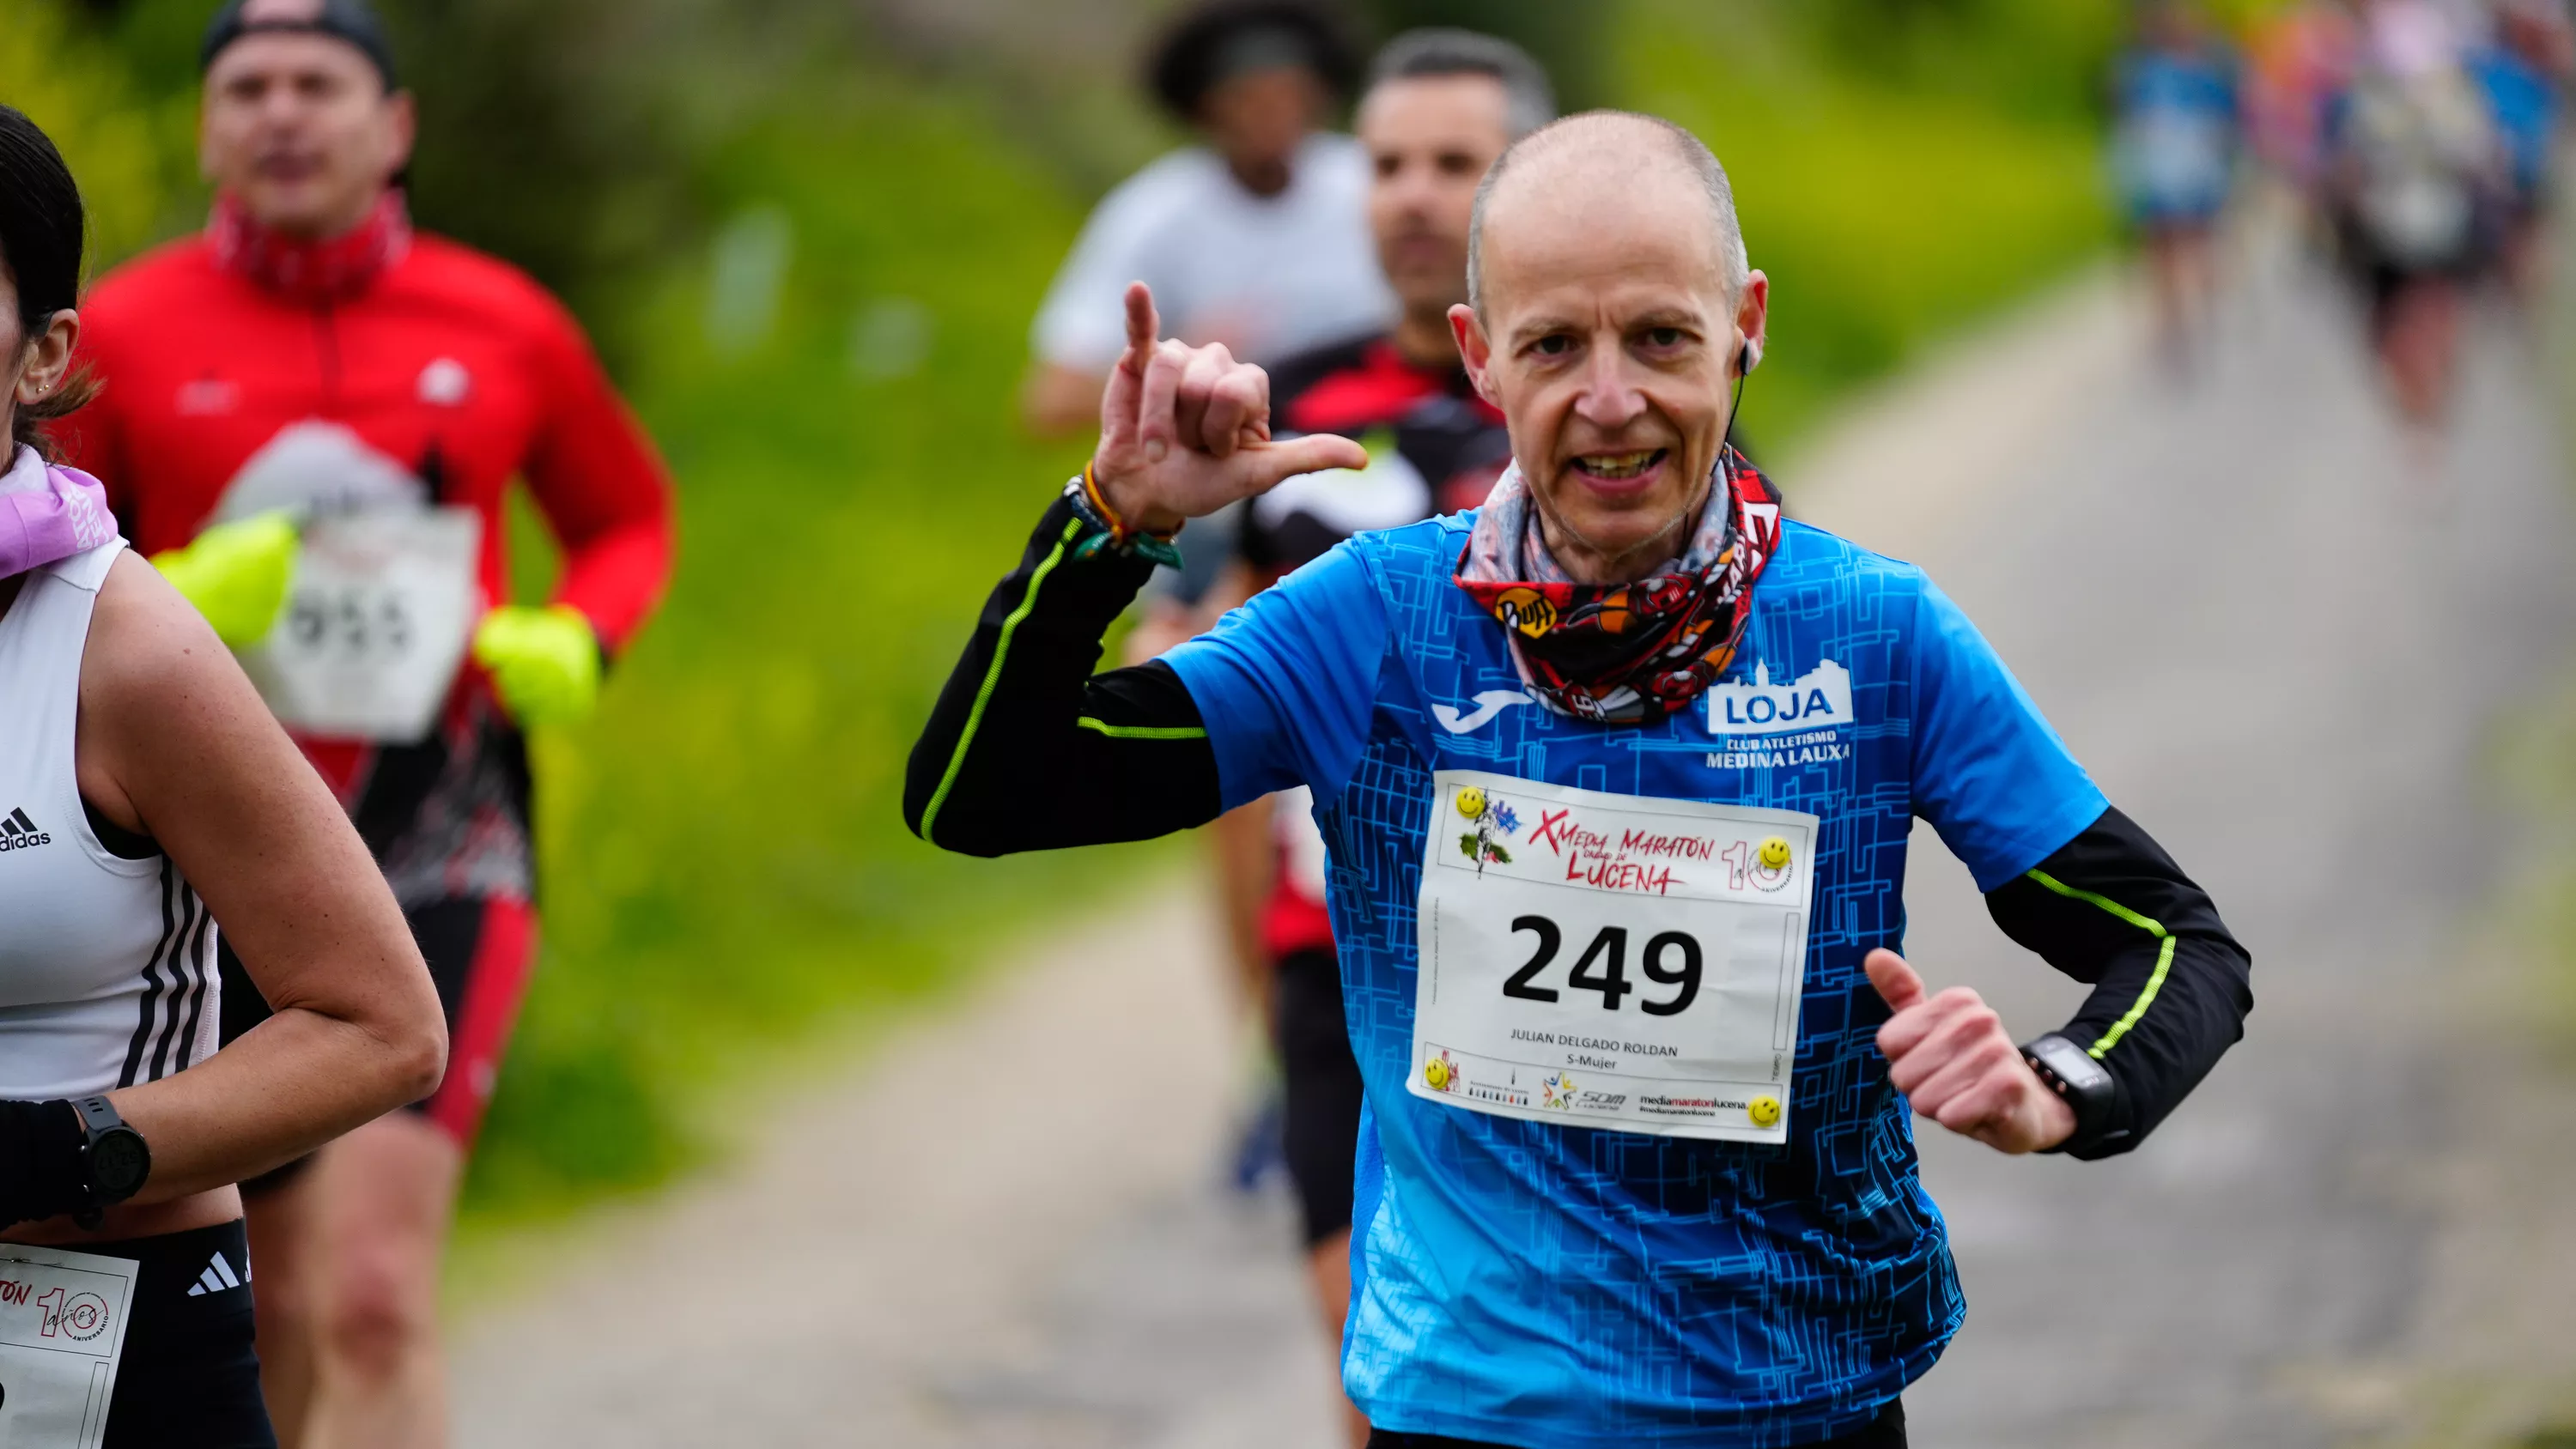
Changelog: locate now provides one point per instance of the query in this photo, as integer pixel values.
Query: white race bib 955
(376, 623)
(1611, 960)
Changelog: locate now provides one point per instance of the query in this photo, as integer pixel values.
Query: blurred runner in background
(1440, 106)
(310, 415)
(2521, 69)
(2302, 59)
(1256, 237)
(2415, 167)
(2174, 152)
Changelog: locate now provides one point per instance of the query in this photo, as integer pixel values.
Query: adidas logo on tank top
(17, 832)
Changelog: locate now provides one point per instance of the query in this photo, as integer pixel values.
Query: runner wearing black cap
(349, 21)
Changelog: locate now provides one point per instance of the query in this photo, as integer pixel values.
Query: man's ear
(406, 129)
(1753, 318)
(205, 141)
(1475, 350)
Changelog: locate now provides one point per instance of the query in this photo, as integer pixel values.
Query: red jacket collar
(311, 271)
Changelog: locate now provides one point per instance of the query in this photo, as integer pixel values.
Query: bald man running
(1616, 774)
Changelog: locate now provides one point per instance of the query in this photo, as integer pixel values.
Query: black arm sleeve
(2171, 987)
(1027, 749)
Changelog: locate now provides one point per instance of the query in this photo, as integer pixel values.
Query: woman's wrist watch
(2084, 1084)
(115, 1160)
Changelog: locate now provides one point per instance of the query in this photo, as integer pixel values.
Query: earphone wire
(1735, 408)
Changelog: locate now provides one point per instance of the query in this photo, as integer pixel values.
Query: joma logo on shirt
(1820, 699)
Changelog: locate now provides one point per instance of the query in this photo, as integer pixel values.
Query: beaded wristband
(1112, 532)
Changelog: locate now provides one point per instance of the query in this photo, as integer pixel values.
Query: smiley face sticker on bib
(1609, 960)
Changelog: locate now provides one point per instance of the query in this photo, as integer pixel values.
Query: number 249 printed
(1671, 958)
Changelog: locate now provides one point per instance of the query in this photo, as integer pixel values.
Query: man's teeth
(1620, 465)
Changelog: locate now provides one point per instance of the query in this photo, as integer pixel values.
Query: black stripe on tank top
(203, 952)
(192, 920)
(152, 977)
(189, 961)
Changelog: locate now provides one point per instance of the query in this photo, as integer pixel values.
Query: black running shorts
(190, 1375)
(1321, 1117)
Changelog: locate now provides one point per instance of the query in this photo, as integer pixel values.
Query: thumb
(1313, 453)
(1897, 982)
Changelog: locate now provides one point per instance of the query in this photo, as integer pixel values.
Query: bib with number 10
(62, 1337)
(1611, 960)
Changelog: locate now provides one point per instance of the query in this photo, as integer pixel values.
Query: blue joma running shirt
(1534, 1283)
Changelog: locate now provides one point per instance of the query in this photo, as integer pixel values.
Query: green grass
(725, 863)
(2535, 767)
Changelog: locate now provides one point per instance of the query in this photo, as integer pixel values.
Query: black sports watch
(2071, 1073)
(115, 1160)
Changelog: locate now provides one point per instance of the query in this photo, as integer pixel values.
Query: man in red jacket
(309, 418)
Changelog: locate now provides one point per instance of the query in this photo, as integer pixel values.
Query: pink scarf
(49, 513)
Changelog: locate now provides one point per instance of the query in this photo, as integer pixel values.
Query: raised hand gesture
(1185, 430)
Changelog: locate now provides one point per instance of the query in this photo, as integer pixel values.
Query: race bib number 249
(1610, 960)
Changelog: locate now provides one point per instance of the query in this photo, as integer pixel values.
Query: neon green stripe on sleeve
(993, 675)
(1143, 732)
(2155, 982)
(2146, 998)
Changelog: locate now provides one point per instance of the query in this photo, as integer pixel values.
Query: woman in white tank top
(148, 800)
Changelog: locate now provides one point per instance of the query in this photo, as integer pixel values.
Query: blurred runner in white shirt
(1257, 238)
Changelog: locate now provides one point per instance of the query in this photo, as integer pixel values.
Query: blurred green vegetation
(1901, 166)
(74, 87)
(810, 236)
(725, 857)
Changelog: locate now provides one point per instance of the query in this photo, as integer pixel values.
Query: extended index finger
(1144, 325)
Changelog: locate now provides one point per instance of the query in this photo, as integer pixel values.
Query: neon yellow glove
(544, 662)
(236, 574)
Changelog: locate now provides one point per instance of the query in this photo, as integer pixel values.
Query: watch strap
(2084, 1084)
(97, 1115)
(100, 1120)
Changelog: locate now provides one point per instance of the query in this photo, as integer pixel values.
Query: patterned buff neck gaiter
(1624, 653)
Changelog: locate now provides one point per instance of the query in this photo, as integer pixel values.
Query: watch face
(2072, 1065)
(118, 1163)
